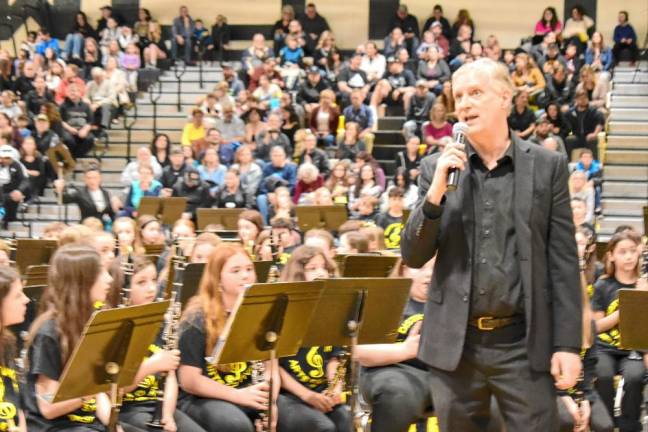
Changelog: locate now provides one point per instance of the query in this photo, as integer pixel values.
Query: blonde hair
(496, 71)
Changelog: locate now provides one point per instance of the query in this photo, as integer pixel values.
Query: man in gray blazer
(503, 316)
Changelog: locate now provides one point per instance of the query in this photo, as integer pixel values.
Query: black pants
(11, 209)
(297, 416)
(399, 395)
(494, 364)
(627, 52)
(600, 420)
(573, 142)
(215, 415)
(135, 417)
(633, 372)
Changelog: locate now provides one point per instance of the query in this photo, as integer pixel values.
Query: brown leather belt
(487, 323)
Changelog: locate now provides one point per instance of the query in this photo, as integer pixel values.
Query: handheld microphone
(458, 135)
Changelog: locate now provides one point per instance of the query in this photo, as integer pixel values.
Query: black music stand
(191, 276)
(366, 265)
(111, 349)
(32, 252)
(262, 270)
(633, 307)
(327, 217)
(227, 218)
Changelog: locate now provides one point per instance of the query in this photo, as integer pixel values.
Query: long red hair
(209, 299)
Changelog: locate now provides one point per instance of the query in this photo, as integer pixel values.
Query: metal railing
(179, 72)
(155, 93)
(129, 122)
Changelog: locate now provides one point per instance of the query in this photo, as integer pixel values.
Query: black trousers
(573, 142)
(297, 416)
(399, 395)
(600, 420)
(215, 415)
(135, 416)
(494, 364)
(633, 372)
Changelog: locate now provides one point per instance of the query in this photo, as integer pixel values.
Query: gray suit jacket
(546, 250)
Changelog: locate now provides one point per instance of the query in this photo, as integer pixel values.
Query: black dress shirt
(496, 284)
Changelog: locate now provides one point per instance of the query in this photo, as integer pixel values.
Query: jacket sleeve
(419, 241)
(563, 271)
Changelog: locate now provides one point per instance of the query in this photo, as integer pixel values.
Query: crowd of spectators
(294, 113)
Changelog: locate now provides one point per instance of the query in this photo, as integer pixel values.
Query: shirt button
(465, 298)
(482, 292)
(488, 203)
(486, 233)
(483, 261)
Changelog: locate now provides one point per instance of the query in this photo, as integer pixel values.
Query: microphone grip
(453, 179)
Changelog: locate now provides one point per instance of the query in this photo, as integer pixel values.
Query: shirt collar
(508, 155)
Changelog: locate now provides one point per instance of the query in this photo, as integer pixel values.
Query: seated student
(140, 402)
(231, 194)
(322, 239)
(392, 220)
(77, 282)
(375, 236)
(148, 232)
(592, 168)
(625, 40)
(219, 397)
(145, 186)
(393, 381)
(366, 209)
(14, 306)
(311, 396)
(175, 170)
(622, 272)
(250, 225)
(204, 247)
(353, 242)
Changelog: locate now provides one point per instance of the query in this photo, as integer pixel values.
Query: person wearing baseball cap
(14, 181)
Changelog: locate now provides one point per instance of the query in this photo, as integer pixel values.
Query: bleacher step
(625, 189)
(637, 142)
(628, 127)
(628, 172)
(623, 206)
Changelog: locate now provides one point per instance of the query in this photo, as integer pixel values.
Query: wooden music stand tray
(149, 206)
(366, 265)
(227, 218)
(326, 217)
(633, 307)
(172, 209)
(36, 275)
(32, 252)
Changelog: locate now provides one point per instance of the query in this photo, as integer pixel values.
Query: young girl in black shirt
(621, 272)
(306, 403)
(218, 397)
(76, 282)
(12, 311)
(140, 402)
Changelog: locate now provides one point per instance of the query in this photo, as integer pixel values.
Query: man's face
(29, 71)
(311, 11)
(586, 159)
(92, 179)
(184, 11)
(214, 137)
(581, 101)
(42, 126)
(356, 99)
(543, 129)
(480, 102)
(355, 62)
(177, 159)
(277, 156)
(74, 94)
(274, 122)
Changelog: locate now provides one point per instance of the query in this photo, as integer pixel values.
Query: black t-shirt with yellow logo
(45, 359)
(308, 366)
(392, 226)
(193, 338)
(606, 299)
(9, 397)
(148, 390)
(413, 314)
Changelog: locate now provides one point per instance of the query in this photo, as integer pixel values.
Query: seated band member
(394, 382)
(13, 305)
(307, 401)
(580, 408)
(76, 281)
(140, 403)
(621, 272)
(218, 397)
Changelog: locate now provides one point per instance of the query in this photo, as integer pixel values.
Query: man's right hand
(453, 156)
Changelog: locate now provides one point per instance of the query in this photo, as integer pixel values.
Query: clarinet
(340, 375)
(128, 269)
(170, 338)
